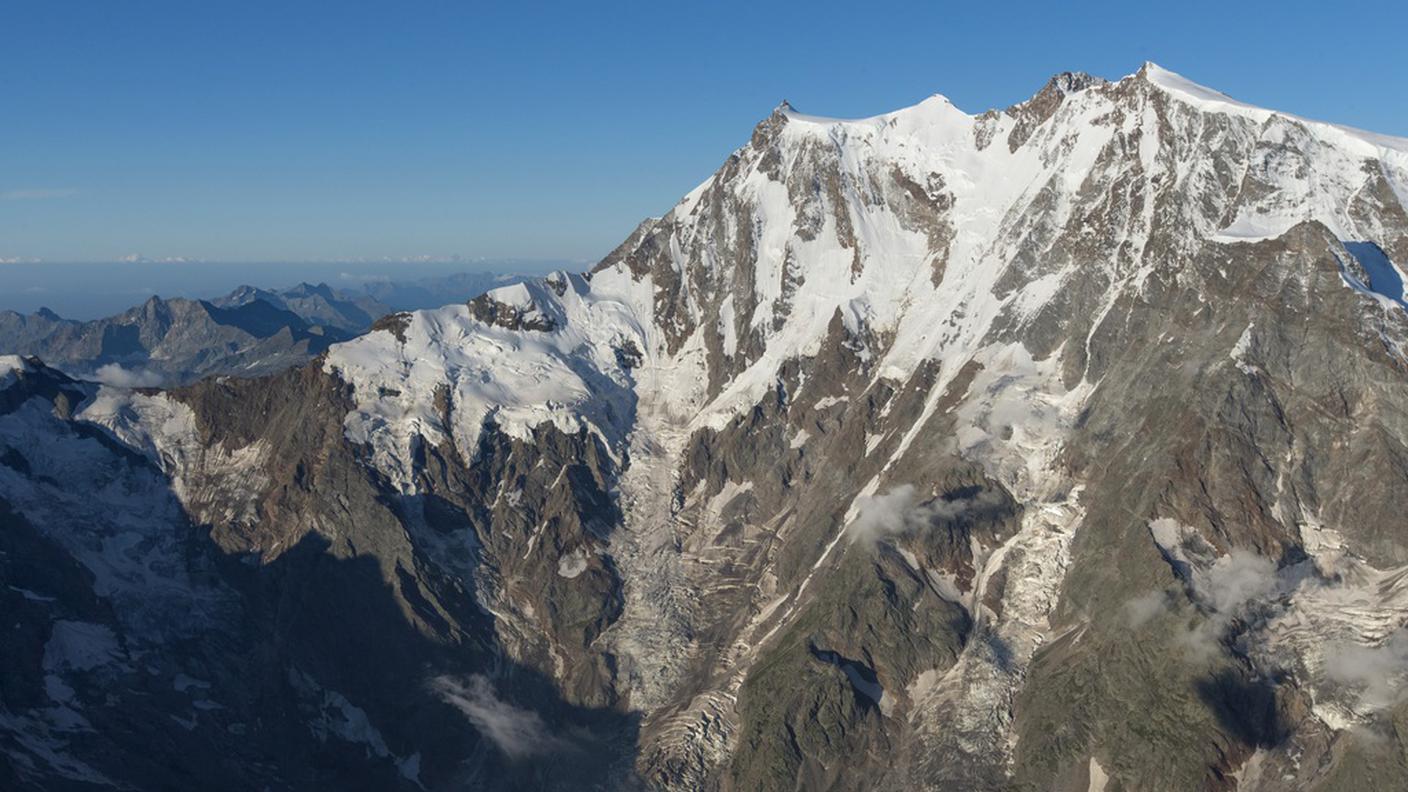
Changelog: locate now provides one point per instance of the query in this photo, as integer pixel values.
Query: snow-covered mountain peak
(1211, 100)
(920, 236)
(929, 104)
(1062, 84)
(1072, 81)
(1200, 96)
(12, 363)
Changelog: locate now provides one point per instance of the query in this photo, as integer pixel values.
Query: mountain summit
(1055, 447)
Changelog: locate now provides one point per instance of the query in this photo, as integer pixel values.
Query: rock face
(315, 304)
(248, 333)
(1063, 447)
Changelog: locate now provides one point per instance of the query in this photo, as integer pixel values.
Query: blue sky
(250, 131)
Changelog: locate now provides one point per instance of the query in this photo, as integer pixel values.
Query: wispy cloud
(898, 512)
(1324, 615)
(517, 732)
(1377, 671)
(1226, 588)
(1141, 609)
(1235, 583)
(372, 278)
(117, 376)
(138, 258)
(36, 193)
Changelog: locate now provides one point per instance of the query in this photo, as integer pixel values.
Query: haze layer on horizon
(93, 290)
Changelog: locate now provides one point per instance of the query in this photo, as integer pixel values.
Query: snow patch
(451, 376)
(1210, 100)
(80, 646)
(1098, 777)
(30, 595)
(1240, 350)
(340, 718)
(10, 365)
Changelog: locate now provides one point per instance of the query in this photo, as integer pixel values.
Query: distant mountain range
(250, 331)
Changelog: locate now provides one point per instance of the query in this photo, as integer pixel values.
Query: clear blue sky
(243, 131)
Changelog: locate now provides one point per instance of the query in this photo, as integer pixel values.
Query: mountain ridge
(248, 332)
(999, 452)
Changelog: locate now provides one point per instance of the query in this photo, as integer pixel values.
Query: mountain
(320, 304)
(354, 309)
(172, 340)
(1060, 447)
(248, 332)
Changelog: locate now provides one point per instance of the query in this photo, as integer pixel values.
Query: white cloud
(1376, 671)
(896, 513)
(1335, 618)
(1139, 610)
(517, 732)
(1225, 587)
(138, 258)
(883, 515)
(1235, 580)
(119, 377)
